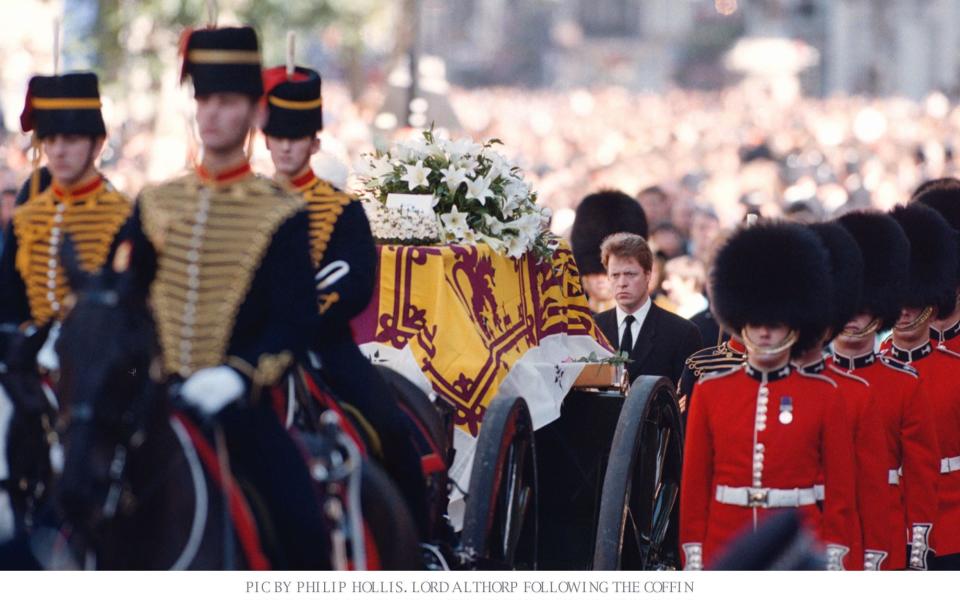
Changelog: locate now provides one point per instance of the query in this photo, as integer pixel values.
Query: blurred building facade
(874, 47)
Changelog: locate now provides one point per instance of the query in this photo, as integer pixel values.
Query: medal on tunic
(786, 410)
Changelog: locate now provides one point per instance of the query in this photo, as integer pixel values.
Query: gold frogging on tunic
(210, 242)
(41, 225)
(325, 205)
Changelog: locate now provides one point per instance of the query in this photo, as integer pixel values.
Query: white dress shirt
(639, 316)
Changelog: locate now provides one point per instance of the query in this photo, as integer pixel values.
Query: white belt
(949, 465)
(820, 491)
(766, 497)
(893, 476)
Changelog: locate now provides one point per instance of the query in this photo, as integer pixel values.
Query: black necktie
(626, 342)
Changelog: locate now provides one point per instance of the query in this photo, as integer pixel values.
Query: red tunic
(868, 529)
(910, 444)
(731, 441)
(949, 337)
(938, 368)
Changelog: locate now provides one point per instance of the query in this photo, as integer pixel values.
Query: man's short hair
(686, 267)
(626, 245)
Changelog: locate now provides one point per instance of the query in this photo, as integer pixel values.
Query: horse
(135, 465)
(134, 493)
(27, 437)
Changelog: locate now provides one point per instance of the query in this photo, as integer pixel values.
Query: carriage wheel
(500, 521)
(642, 482)
(389, 525)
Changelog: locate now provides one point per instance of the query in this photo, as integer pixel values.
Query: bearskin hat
(598, 216)
(846, 271)
(932, 279)
(774, 273)
(886, 254)
(942, 195)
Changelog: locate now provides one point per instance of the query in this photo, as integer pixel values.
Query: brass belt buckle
(758, 497)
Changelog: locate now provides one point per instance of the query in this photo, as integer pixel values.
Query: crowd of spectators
(698, 162)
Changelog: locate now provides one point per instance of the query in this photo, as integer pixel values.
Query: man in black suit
(658, 341)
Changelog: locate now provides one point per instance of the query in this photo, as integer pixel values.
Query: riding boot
(263, 455)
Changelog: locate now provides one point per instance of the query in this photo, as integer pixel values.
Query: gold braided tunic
(325, 204)
(90, 213)
(210, 238)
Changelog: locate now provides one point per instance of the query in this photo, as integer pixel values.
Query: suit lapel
(607, 321)
(644, 343)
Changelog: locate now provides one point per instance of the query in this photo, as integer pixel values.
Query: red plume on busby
(599, 215)
(774, 273)
(886, 253)
(942, 195)
(932, 278)
(846, 272)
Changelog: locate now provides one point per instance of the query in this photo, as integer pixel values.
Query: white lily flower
(455, 222)
(479, 189)
(453, 177)
(416, 175)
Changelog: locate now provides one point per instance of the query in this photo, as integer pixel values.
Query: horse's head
(105, 348)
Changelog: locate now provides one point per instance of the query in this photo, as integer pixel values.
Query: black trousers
(264, 455)
(351, 376)
(949, 562)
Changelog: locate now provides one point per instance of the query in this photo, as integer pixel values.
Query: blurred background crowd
(705, 111)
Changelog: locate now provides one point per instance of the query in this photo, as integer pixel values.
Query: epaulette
(713, 358)
(842, 373)
(941, 348)
(717, 374)
(896, 365)
(817, 376)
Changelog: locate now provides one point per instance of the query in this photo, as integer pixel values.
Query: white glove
(47, 356)
(210, 390)
(331, 274)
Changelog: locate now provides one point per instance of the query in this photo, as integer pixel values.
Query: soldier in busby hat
(232, 287)
(598, 216)
(943, 195)
(869, 535)
(931, 291)
(63, 114)
(344, 258)
(762, 436)
(908, 500)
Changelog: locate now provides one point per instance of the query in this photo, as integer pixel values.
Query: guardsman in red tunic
(931, 290)
(943, 195)
(869, 534)
(760, 437)
(909, 454)
(63, 111)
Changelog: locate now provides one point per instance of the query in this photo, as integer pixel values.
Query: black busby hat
(773, 273)
(932, 279)
(68, 104)
(886, 254)
(222, 60)
(846, 272)
(598, 216)
(942, 195)
(294, 103)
